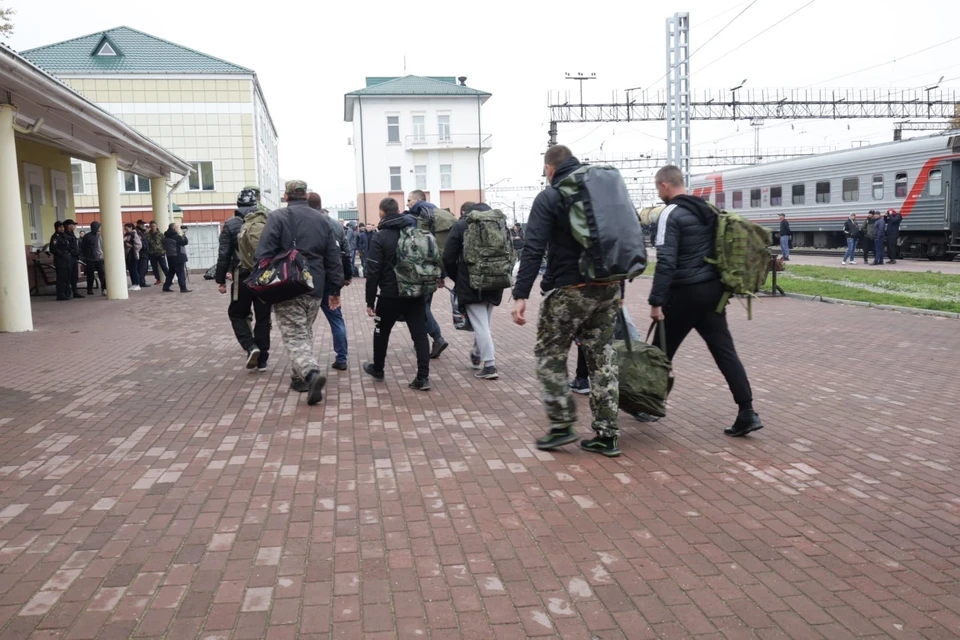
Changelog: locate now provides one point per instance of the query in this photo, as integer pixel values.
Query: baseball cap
(295, 186)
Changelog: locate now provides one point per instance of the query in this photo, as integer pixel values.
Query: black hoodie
(686, 236)
(91, 246)
(382, 258)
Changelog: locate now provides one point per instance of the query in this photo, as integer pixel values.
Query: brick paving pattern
(150, 487)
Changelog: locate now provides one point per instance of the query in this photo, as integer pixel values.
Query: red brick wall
(193, 215)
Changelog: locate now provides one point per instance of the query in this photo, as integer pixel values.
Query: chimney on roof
(463, 81)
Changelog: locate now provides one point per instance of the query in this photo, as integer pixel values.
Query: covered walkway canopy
(40, 111)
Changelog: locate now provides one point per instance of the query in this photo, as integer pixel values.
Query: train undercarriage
(931, 245)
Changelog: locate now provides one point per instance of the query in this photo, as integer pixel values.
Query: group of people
(879, 232)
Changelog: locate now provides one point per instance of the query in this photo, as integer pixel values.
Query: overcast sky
(308, 54)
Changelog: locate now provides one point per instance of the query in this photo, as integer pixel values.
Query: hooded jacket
(382, 258)
(851, 229)
(92, 244)
(227, 256)
(548, 231)
(173, 244)
(456, 267)
(686, 236)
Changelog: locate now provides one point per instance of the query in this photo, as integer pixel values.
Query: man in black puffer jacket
(687, 289)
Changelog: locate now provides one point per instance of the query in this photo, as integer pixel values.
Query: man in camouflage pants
(571, 308)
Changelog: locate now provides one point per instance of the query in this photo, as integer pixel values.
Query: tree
(6, 21)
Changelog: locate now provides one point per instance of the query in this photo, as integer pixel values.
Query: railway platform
(150, 487)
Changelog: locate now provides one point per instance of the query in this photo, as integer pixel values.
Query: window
(755, 198)
(851, 189)
(721, 200)
(776, 196)
(419, 129)
(444, 122)
(446, 176)
(201, 178)
(738, 199)
(823, 193)
(799, 195)
(77, 170)
(132, 183)
(900, 185)
(936, 183)
(393, 128)
(106, 50)
(878, 187)
(395, 184)
(420, 171)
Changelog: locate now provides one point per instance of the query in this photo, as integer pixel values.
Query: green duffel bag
(645, 374)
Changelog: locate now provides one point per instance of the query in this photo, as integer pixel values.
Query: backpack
(605, 223)
(249, 237)
(437, 222)
(743, 259)
(488, 250)
(417, 263)
(645, 373)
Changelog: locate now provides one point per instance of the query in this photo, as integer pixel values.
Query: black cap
(68, 222)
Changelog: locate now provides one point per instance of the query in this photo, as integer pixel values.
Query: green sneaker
(557, 437)
(604, 446)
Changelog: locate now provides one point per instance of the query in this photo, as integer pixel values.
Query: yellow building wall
(47, 158)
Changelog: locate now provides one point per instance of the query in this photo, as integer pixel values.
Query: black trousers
(96, 268)
(75, 275)
(867, 245)
(159, 264)
(892, 246)
(582, 371)
(143, 267)
(239, 314)
(695, 307)
(178, 267)
(389, 311)
(64, 268)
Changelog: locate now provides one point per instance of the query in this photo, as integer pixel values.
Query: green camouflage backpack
(417, 263)
(488, 250)
(438, 223)
(249, 237)
(743, 259)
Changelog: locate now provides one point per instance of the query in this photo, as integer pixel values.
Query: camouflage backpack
(249, 237)
(488, 250)
(417, 263)
(437, 222)
(743, 259)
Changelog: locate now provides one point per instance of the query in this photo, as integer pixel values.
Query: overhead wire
(883, 64)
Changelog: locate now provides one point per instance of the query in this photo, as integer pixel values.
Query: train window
(738, 199)
(936, 182)
(900, 185)
(754, 198)
(878, 187)
(721, 200)
(823, 192)
(776, 196)
(799, 194)
(851, 189)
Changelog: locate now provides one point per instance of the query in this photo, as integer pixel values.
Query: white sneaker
(135, 288)
(844, 262)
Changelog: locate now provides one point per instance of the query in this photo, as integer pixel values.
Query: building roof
(411, 87)
(126, 50)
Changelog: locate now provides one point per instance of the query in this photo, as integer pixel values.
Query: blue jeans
(785, 246)
(433, 328)
(338, 329)
(850, 255)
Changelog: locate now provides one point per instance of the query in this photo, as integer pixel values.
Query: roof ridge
(69, 40)
(175, 44)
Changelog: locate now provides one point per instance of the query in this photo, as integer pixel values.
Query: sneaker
(438, 347)
(747, 422)
(645, 417)
(158, 283)
(298, 385)
(420, 384)
(145, 285)
(581, 386)
(186, 290)
(253, 357)
(604, 446)
(315, 384)
(339, 366)
(135, 287)
(844, 262)
(373, 373)
(475, 362)
(557, 437)
(104, 293)
(488, 373)
(262, 362)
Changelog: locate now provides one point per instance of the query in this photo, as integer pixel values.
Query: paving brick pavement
(150, 487)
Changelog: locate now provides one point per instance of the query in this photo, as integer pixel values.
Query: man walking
(338, 328)
(687, 289)
(784, 236)
(571, 308)
(92, 250)
(232, 263)
(175, 246)
(893, 235)
(297, 225)
(418, 207)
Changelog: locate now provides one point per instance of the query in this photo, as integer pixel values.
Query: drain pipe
(34, 128)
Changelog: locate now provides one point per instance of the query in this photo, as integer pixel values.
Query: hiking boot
(438, 347)
(475, 362)
(604, 446)
(420, 384)
(557, 437)
(747, 422)
(488, 373)
(253, 357)
(315, 383)
(298, 385)
(373, 373)
(645, 417)
(581, 386)
(339, 365)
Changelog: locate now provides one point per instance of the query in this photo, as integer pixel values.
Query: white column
(15, 314)
(158, 194)
(108, 190)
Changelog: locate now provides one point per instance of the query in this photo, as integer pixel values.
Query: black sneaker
(339, 366)
(488, 373)
(420, 384)
(315, 383)
(581, 386)
(645, 417)
(747, 422)
(262, 362)
(557, 437)
(298, 385)
(253, 357)
(604, 446)
(438, 347)
(370, 371)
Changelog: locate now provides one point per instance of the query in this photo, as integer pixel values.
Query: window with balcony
(443, 122)
(823, 192)
(76, 169)
(420, 172)
(393, 128)
(446, 176)
(395, 183)
(201, 178)
(132, 183)
(419, 129)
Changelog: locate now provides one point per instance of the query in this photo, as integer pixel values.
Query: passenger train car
(919, 177)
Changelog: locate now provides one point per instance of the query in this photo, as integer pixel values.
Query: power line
(883, 64)
(722, 13)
